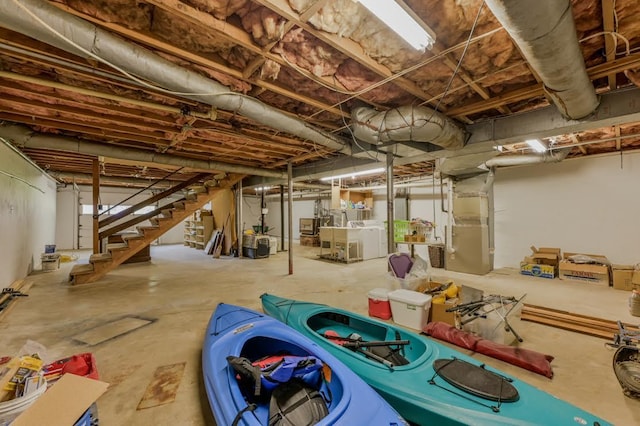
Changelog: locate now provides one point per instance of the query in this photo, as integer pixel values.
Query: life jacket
(267, 373)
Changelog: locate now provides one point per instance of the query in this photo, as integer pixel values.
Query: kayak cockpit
(375, 341)
(262, 354)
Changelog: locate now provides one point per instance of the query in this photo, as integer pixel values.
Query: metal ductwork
(545, 32)
(19, 16)
(522, 160)
(105, 180)
(24, 137)
(404, 124)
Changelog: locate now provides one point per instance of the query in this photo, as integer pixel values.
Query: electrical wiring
(355, 140)
(477, 80)
(313, 77)
(464, 52)
(615, 36)
(407, 70)
(18, 178)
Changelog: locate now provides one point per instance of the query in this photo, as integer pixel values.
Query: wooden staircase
(102, 263)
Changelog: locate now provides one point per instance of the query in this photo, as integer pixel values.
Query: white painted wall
(588, 205)
(27, 215)
(67, 218)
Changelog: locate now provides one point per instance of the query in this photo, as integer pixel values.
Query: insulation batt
(221, 9)
(264, 25)
(302, 49)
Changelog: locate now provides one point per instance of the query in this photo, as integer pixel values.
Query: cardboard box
(542, 262)
(64, 403)
(536, 270)
(438, 312)
(622, 277)
(586, 272)
(546, 255)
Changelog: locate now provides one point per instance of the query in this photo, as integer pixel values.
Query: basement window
(88, 209)
(145, 210)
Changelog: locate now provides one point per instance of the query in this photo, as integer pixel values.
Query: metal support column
(290, 205)
(391, 246)
(282, 217)
(96, 200)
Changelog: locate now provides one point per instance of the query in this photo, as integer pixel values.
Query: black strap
(308, 396)
(245, 368)
(248, 408)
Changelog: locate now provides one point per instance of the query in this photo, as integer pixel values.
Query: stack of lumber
(573, 322)
(9, 296)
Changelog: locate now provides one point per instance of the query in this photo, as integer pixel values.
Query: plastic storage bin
(410, 308)
(379, 305)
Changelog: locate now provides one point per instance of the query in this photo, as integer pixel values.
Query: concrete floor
(180, 288)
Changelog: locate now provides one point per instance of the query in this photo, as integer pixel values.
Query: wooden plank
(560, 324)
(163, 387)
(584, 324)
(22, 286)
(609, 43)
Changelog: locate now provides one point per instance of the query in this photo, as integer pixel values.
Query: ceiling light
(402, 22)
(354, 174)
(536, 145)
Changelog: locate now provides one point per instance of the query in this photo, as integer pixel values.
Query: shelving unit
(352, 198)
(198, 229)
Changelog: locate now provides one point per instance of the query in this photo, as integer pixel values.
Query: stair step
(127, 238)
(198, 189)
(167, 213)
(117, 246)
(210, 183)
(100, 257)
(142, 229)
(81, 269)
(179, 205)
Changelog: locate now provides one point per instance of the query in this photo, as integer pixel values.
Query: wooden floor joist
(584, 324)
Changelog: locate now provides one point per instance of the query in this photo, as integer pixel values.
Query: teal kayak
(426, 382)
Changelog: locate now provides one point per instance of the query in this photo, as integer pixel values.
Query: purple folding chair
(400, 264)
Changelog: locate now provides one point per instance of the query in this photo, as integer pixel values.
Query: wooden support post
(96, 198)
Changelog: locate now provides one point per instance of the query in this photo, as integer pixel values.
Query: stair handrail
(141, 218)
(142, 190)
(113, 218)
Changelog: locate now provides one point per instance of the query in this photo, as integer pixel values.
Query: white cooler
(410, 308)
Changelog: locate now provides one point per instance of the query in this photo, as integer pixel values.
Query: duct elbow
(406, 123)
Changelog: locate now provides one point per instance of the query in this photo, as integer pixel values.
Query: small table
(412, 245)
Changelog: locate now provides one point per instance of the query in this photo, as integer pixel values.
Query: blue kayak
(235, 332)
(427, 382)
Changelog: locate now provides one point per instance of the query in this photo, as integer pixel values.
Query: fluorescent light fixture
(536, 145)
(354, 174)
(262, 188)
(400, 21)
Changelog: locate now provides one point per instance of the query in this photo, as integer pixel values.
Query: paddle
(359, 345)
(349, 342)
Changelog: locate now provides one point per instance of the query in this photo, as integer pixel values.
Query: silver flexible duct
(521, 160)
(24, 137)
(406, 123)
(545, 32)
(145, 64)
